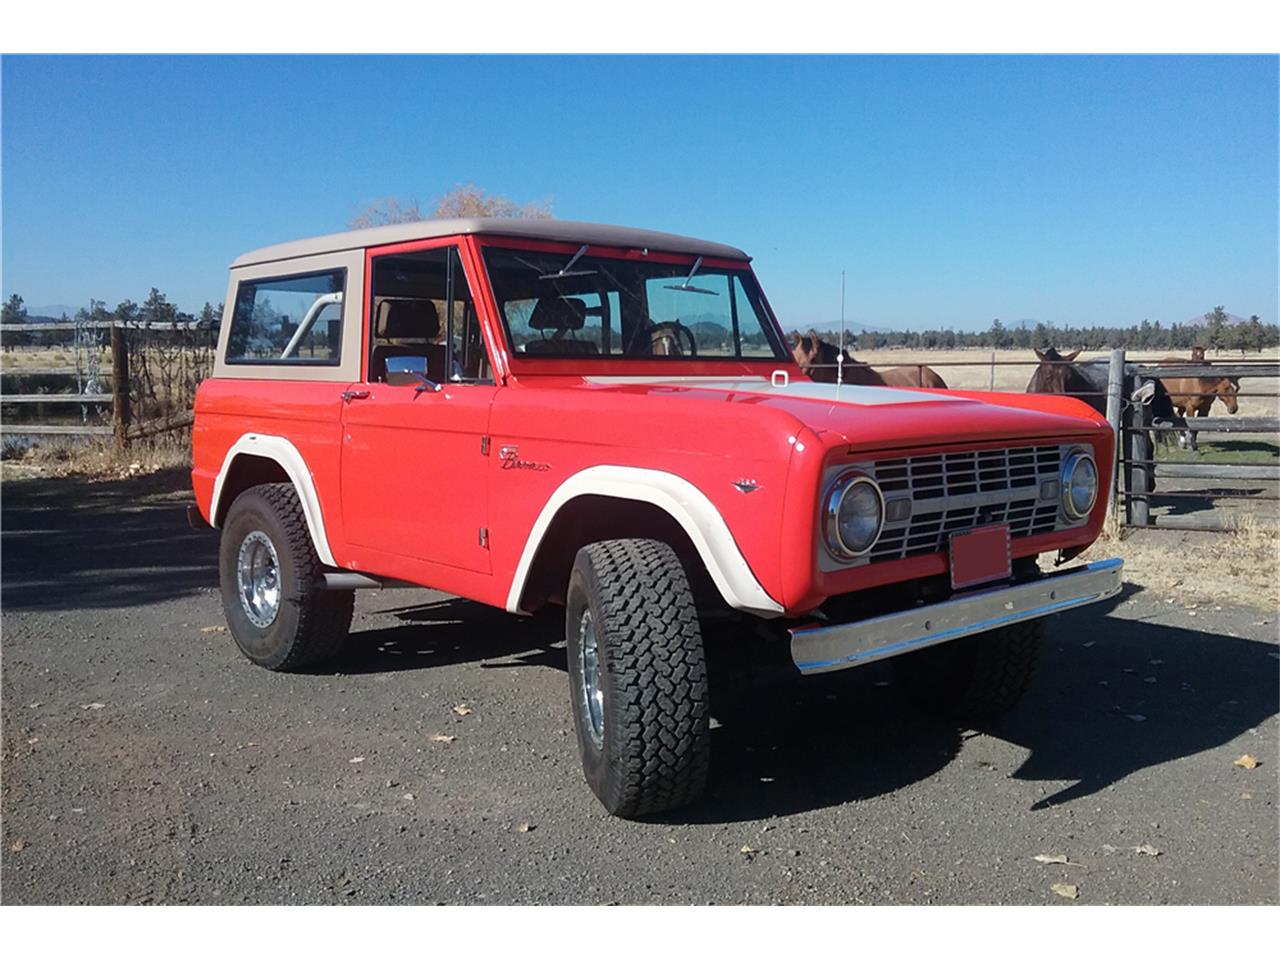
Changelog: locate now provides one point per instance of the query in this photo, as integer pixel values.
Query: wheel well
(590, 518)
(247, 470)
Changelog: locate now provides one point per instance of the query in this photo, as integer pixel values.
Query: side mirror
(406, 371)
(1145, 393)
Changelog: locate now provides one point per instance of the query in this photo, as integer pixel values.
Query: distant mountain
(51, 311)
(850, 326)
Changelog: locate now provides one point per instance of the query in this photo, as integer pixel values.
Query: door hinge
(484, 446)
(484, 537)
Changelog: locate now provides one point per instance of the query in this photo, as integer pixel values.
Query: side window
(469, 362)
(423, 321)
(288, 320)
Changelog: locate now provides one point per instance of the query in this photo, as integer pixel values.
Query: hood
(878, 417)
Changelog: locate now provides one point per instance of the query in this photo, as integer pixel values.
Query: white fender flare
(290, 460)
(685, 503)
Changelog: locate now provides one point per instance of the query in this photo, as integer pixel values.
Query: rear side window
(288, 320)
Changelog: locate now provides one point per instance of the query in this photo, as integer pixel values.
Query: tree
(1216, 324)
(210, 316)
(96, 312)
(158, 309)
(464, 200)
(1251, 335)
(14, 310)
(1143, 338)
(387, 210)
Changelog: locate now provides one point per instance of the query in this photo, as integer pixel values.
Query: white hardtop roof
(566, 231)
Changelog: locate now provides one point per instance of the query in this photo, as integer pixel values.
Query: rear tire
(270, 576)
(976, 678)
(637, 677)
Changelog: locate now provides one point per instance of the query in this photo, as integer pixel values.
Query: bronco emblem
(510, 457)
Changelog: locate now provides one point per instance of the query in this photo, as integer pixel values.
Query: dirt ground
(146, 761)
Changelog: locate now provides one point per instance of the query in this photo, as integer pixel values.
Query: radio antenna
(840, 345)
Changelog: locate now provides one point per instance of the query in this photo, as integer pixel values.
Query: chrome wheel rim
(258, 579)
(591, 692)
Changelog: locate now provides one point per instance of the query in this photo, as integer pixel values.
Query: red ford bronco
(532, 413)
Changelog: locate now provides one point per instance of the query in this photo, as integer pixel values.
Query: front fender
(685, 504)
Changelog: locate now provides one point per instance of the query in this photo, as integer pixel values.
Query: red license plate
(980, 556)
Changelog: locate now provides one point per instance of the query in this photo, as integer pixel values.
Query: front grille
(973, 471)
(954, 492)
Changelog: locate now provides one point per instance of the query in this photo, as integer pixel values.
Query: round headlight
(855, 514)
(1079, 484)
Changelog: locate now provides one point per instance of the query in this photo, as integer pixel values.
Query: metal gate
(1148, 481)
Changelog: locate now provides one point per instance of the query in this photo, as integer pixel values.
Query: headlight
(1079, 484)
(855, 514)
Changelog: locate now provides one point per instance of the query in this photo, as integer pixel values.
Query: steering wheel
(668, 336)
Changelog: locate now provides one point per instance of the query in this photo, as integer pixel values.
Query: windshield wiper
(688, 289)
(567, 270)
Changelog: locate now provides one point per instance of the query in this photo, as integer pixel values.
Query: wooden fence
(129, 381)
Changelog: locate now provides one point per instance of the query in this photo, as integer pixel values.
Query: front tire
(270, 576)
(637, 677)
(975, 678)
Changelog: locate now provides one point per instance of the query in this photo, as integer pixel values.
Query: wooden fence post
(120, 385)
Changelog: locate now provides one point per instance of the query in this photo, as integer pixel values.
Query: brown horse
(1059, 373)
(818, 360)
(1086, 381)
(1194, 396)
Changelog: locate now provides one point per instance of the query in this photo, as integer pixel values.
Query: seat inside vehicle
(561, 317)
(406, 328)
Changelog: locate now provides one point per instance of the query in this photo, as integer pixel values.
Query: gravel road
(145, 761)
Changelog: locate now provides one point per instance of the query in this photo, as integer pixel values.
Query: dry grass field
(1199, 568)
(22, 359)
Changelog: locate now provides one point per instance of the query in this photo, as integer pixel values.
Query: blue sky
(951, 189)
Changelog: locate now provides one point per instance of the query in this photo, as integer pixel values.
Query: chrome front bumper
(837, 647)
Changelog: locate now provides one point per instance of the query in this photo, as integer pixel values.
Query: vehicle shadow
(784, 744)
(451, 631)
(1138, 695)
(70, 543)
(1092, 717)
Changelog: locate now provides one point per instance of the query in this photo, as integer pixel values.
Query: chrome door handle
(349, 395)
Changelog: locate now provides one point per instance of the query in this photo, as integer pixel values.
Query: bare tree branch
(464, 200)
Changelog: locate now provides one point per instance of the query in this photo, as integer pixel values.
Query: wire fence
(131, 381)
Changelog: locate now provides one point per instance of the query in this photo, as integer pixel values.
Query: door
(414, 477)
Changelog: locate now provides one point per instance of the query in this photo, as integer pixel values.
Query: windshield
(585, 306)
